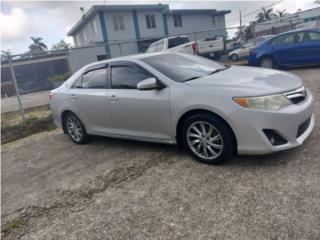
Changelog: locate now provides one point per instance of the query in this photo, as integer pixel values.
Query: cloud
(15, 25)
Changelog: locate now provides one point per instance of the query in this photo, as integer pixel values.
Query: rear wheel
(234, 57)
(208, 139)
(267, 62)
(75, 129)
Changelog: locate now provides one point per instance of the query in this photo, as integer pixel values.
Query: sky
(51, 20)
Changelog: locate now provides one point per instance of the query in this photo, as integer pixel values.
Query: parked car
(213, 47)
(210, 109)
(174, 44)
(244, 51)
(232, 46)
(294, 48)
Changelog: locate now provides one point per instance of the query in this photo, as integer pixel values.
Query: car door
(90, 99)
(308, 50)
(284, 48)
(137, 113)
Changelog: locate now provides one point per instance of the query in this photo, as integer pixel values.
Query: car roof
(299, 30)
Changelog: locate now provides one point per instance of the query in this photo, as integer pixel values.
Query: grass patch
(15, 223)
(37, 120)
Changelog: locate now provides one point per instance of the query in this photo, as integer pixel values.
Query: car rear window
(173, 42)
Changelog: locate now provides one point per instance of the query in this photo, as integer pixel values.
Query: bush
(59, 78)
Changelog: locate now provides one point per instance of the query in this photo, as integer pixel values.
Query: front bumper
(252, 60)
(248, 125)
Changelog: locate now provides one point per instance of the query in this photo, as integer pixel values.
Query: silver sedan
(210, 109)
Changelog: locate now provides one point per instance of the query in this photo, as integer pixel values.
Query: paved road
(29, 100)
(116, 189)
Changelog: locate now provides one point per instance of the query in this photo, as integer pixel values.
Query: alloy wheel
(74, 128)
(204, 140)
(267, 63)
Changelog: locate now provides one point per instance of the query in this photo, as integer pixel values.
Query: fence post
(16, 87)
(120, 49)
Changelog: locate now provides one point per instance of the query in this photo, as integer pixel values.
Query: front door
(308, 51)
(285, 49)
(137, 113)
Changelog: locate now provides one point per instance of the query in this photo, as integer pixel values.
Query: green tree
(282, 13)
(37, 46)
(265, 15)
(61, 45)
(5, 53)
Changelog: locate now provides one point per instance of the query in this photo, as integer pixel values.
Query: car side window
(77, 83)
(151, 48)
(285, 39)
(308, 36)
(314, 36)
(95, 78)
(127, 76)
(159, 46)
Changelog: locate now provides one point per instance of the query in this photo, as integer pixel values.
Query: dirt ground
(117, 189)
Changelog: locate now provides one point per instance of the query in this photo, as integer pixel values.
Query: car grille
(297, 96)
(303, 127)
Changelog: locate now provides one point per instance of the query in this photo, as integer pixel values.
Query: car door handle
(73, 96)
(113, 97)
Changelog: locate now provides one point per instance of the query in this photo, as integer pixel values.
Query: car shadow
(274, 159)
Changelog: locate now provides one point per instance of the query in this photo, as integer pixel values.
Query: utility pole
(14, 79)
(240, 27)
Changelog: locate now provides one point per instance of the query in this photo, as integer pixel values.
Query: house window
(177, 20)
(215, 21)
(118, 24)
(94, 27)
(151, 21)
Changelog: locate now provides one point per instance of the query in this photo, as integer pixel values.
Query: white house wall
(150, 32)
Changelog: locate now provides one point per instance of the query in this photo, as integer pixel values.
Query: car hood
(249, 81)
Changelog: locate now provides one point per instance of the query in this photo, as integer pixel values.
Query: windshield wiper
(219, 70)
(189, 79)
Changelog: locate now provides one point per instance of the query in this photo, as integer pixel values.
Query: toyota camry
(210, 109)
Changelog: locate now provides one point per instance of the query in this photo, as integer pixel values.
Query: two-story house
(140, 25)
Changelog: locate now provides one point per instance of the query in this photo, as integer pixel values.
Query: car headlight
(272, 102)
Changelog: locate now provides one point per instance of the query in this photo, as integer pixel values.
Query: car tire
(267, 62)
(213, 147)
(75, 129)
(234, 57)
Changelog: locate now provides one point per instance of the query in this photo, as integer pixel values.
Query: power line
(255, 11)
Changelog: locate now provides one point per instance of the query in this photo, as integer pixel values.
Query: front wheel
(75, 129)
(208, 139)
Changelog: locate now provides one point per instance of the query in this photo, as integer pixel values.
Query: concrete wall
(80, 57)
(150, 32)
(87, 30)
(197, 22)
(128, 34)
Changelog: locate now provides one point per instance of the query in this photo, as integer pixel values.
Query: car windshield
(176, 41)
(183, 67)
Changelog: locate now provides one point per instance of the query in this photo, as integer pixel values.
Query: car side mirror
(148, 84)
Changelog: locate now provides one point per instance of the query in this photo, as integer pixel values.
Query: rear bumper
(249, 125)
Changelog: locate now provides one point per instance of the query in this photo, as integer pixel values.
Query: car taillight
(50, 96)
(195, 48)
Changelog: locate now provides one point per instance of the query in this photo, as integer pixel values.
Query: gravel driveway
(116, 189)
